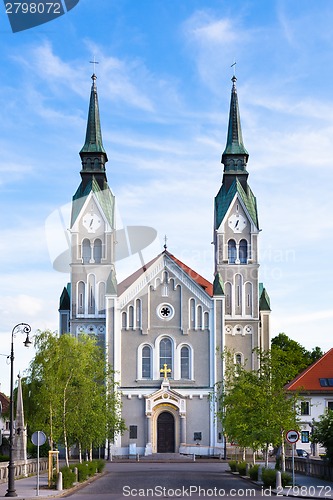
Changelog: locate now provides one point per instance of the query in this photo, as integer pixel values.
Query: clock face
(237, 222)
(91, 222)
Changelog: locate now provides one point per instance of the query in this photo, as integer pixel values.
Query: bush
(4, 458)
(233, 465)
(269, 477)
(100, 464)
(68, 477)
(241, 468)
(254, 472)
(83, 471)
(286, 479)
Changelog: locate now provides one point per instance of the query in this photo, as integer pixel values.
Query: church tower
(236, 234)
(92, 228)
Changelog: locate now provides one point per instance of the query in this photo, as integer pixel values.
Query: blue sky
(164, 91)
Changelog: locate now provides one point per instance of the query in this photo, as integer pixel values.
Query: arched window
(97, 252)
(131, 317)
(206, 320)
(243, 251)
(101, 298)
(228, 303)
(238, 358)
(232, 254)
(138, 313)
(124, 320)
(146, 362)
(192, 313)
(91, 294)
(166, 355)
(86, 251)
(80, 297)
(199, 317)
(185, 362)
(238, 294)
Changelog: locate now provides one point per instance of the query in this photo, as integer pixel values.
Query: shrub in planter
(286, 479)
(233, 465)
(269, 477)
(83, 472)
(100, 464)
(68, 477)
(254, 472)
(241, 468)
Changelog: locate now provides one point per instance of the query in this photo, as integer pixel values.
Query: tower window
(86, 251)
(131, 317)
(97, 252)
(243, 251)
(232, 251)
(238, 359)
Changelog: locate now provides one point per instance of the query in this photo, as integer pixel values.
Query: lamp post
(25, 329)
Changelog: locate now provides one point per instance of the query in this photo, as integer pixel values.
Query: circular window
(165, 311)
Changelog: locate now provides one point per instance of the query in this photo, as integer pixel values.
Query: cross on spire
(165, 370)
(165, 242)
(94, 62)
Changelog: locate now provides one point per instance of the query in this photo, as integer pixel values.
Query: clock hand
(92, 220)
(237, 223)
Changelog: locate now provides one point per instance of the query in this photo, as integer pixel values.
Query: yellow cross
(165, 370)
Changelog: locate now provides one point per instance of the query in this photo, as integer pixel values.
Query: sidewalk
(27, 488)
(309, 487)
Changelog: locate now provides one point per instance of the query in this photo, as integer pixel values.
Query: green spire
(93, 143)
(235, 155)
(93, 155)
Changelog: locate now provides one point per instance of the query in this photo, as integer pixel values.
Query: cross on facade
(165, 370)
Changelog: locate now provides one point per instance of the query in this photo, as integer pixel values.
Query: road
(167, 480)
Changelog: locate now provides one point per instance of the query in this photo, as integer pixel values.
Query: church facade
(165, 326)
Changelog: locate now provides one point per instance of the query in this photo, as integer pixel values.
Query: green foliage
(241, 468)
(233, 465)
(4, 458)
(68, 477)
(286, 479)
(100, 465)
(32, 449)
(70, 392)
(83, 471)
(292, 356)
(323, 433)
(254, 472)
(268, 477)
(254, 409)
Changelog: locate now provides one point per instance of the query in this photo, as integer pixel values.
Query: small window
(330, 405)
(133, 431)
(330, 382)
(323, 382)
(86, 251)
(305, 408)
(146, 362)
(238, 359)
(232, 251)
(243, 251)
(185, 362)
(97, 251)
(305, 437)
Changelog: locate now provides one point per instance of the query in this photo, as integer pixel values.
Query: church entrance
(165, 433)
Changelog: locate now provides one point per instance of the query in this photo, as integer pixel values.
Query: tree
(292, 356)
(323, 433)
(254, 409)
(70, 387)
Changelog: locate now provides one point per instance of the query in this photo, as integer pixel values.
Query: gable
(311, 379)
(150, 275)
(224, 199)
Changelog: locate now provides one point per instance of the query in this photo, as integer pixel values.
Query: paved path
(306, 487)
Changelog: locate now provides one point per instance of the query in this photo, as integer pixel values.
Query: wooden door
(165, 433)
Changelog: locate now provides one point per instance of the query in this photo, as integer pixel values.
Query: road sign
(38, 438)
(292, 436)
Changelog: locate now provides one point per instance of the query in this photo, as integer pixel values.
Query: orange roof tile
(205, 284)
(308, 380)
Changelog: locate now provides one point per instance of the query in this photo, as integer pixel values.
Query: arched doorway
(165, 433)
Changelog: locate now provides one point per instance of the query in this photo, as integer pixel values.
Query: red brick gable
(309, 379)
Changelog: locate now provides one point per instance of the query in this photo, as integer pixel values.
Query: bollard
(220, 456)
(59, 482)
(278, 481)
(110, 457)
(193, 457)
(76, 474)
(138, 457)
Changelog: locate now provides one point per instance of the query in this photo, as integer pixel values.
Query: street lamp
(25, 329)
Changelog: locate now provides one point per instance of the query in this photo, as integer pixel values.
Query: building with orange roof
(315, 387)
(164, 327)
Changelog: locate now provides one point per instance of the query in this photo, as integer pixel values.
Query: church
(164, 327)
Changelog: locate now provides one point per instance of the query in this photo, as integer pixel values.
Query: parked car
(302, 453)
